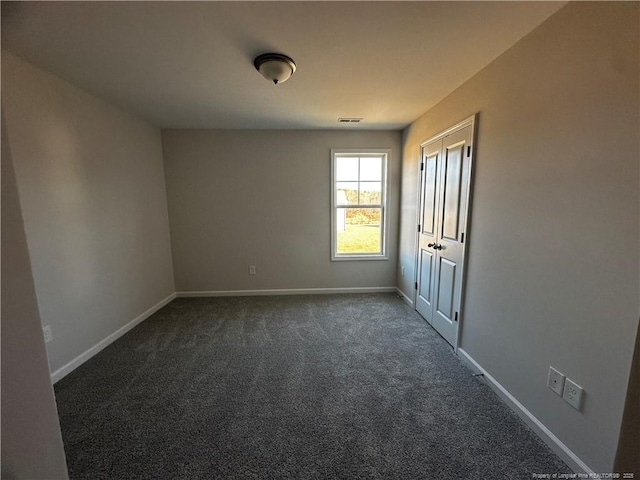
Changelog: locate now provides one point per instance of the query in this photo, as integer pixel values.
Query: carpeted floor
(289, 387)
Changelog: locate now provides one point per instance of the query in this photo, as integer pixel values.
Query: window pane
(346, 169)
(370, 193)
(347, 193)
(358, 230)
(371, 168)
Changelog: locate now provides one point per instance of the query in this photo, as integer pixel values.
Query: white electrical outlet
(252, 269)
(48, 335)
(572, 394)
(555, 381)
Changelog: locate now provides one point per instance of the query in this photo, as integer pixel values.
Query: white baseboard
(404, 297)
(285, 291)
(83, 357)
(547, 436)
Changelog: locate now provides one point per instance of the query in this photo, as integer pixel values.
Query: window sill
(343, 258)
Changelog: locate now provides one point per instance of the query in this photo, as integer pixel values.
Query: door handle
(437, 246)
(431, 245)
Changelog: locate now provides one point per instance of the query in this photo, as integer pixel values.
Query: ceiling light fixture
(275, 67)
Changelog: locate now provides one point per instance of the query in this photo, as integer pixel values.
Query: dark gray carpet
(290, 387)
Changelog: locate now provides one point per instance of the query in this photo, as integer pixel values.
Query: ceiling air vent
(349, 120)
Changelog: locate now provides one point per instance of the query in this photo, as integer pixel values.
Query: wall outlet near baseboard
(555, 381)
(47, 333)
(572, 394)
(252, 269)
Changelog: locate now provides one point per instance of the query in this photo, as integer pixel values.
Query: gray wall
(554, 238)
(91, 183)
(31, 439)
(240, 198)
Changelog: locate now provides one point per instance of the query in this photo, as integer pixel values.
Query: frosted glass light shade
(275, 67)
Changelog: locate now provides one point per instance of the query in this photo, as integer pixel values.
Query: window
(359, 204)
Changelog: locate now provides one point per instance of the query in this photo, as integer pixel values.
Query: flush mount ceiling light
(275, 67)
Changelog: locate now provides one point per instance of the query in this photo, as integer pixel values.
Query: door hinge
(418, 228)
(416, 285)
(456, 317)
(462, 237)
(468, 150)
(422, 166)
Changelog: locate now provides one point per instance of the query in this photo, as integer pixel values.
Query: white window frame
(384, 205)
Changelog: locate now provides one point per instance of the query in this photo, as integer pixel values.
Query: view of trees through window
(359, 198)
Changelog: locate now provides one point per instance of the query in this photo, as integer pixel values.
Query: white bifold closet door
(445, 183)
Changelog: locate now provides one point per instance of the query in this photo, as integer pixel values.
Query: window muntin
(359, 219)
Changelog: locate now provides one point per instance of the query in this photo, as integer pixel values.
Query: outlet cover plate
(555, 381)
(48, 335)
(572, 394)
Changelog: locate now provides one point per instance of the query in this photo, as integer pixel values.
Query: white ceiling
(189, 64)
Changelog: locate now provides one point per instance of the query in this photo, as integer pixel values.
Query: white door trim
(472, 120)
